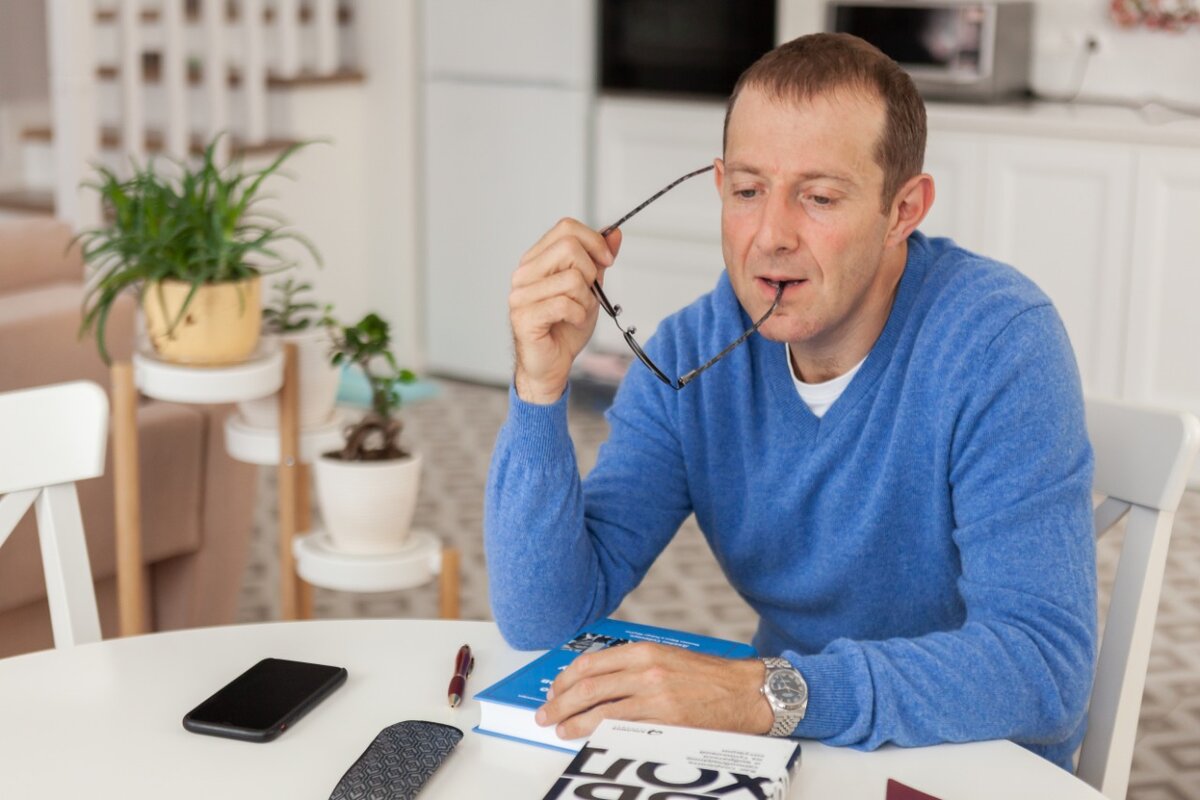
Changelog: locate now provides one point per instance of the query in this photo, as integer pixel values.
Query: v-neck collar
(771, 360)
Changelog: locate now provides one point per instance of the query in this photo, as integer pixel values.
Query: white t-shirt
(820, 396)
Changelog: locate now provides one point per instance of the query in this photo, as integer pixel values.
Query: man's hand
(646, 682)
(552, 308)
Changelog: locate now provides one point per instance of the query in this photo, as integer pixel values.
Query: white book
(625, 759)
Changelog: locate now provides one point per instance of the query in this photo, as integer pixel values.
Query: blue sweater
(923, 553)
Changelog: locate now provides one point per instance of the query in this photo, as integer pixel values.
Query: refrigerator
(508, 90)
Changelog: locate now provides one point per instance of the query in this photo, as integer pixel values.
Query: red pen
(463, 664)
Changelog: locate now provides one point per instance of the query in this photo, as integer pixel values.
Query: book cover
(643, 761)
(506, 708)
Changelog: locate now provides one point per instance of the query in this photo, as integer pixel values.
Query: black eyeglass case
(398, 762)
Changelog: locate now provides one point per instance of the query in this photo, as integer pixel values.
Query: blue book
(506, 708)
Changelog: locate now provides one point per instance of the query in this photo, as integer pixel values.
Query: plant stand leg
(289, 468)
(449, 583)
(131, 589)
(304, 525)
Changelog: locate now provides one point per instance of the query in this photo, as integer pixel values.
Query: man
(893, 471)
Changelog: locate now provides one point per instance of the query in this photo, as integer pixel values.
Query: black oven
(691, 47)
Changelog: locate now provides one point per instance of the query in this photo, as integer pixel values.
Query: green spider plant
(200, 227)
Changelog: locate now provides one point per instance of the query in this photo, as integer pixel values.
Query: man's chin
(785, 328)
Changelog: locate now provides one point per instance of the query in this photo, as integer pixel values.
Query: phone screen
(265, 699)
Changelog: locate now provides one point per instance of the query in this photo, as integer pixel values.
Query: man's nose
(777, 230)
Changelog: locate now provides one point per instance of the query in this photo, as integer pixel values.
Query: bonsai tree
(201, 227)
(288, 313)
(367, 344)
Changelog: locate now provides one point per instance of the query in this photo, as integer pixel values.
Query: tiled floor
(685, 588)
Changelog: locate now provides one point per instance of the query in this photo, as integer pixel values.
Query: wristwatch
(786, 691)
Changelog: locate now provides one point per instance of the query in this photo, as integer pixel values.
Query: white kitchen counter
(1153, 125)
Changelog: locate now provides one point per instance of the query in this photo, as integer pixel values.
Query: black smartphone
(265, 700)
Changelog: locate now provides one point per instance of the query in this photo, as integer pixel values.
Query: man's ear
(718, 174)
(912, 203)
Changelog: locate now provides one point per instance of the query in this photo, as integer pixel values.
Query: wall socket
(1089, 41)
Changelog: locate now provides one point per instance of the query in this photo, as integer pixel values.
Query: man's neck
(840, 349)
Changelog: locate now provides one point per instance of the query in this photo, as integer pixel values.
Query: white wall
(390, 47)
(1134, 65)
(356, 196)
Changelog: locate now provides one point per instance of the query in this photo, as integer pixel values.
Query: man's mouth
(773, 284)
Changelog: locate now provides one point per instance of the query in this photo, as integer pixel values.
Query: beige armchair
(197, 502)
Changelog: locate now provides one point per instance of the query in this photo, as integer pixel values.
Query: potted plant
(293, 318)
(193, 247)
(368, 489)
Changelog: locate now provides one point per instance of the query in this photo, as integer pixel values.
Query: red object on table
(898, 791)
(463, 664)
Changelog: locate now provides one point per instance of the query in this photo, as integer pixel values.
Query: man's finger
(545, 315)
(592, 241)
(580, 725)
(587, 694)
(616, 658)
(560, 256)
(570, 283)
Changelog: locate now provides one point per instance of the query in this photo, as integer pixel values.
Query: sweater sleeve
(1020, 666)
(561, 551)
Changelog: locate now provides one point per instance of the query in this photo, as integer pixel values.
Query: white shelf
(318, 563)
(256, 445)
(259, 376)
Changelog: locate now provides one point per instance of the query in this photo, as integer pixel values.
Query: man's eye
(746, 194)
(820, 200)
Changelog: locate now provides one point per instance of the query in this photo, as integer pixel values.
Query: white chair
(1143, 457)
(51, 437)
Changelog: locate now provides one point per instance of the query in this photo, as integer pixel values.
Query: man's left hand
(647, 682)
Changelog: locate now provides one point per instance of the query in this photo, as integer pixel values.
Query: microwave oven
(971, 50)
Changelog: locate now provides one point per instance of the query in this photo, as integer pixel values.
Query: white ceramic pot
(368, 506)
(318, 384)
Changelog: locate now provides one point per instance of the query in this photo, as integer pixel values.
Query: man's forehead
(846, 122)
(853, 105)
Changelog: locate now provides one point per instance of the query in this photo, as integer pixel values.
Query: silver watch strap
(785, 721)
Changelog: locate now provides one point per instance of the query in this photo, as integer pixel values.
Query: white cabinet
(502, 165)
(544, 42)
(1059, 211)
(954, 159)
(507, 89)
(1164, 327)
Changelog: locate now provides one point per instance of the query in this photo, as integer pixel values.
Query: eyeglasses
(615, 310)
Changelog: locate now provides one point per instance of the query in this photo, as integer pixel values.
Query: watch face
(787, 688)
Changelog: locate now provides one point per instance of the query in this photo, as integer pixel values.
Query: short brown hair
(821, 63)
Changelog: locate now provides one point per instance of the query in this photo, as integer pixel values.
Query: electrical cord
(1142, 107)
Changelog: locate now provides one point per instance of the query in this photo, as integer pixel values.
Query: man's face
(800, 203)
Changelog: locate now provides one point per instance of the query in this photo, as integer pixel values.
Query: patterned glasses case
(399, 762)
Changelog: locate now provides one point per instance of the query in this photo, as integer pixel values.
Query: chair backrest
(51, 437)
(1143, 458)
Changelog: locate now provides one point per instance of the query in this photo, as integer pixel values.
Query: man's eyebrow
(811, 175)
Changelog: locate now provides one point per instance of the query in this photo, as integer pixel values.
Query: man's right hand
(552, 308)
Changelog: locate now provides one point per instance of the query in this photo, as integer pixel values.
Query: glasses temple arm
(691, 375)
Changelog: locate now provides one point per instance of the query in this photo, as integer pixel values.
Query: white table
(103, 720)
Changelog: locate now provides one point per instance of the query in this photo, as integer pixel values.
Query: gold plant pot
(221, 324)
